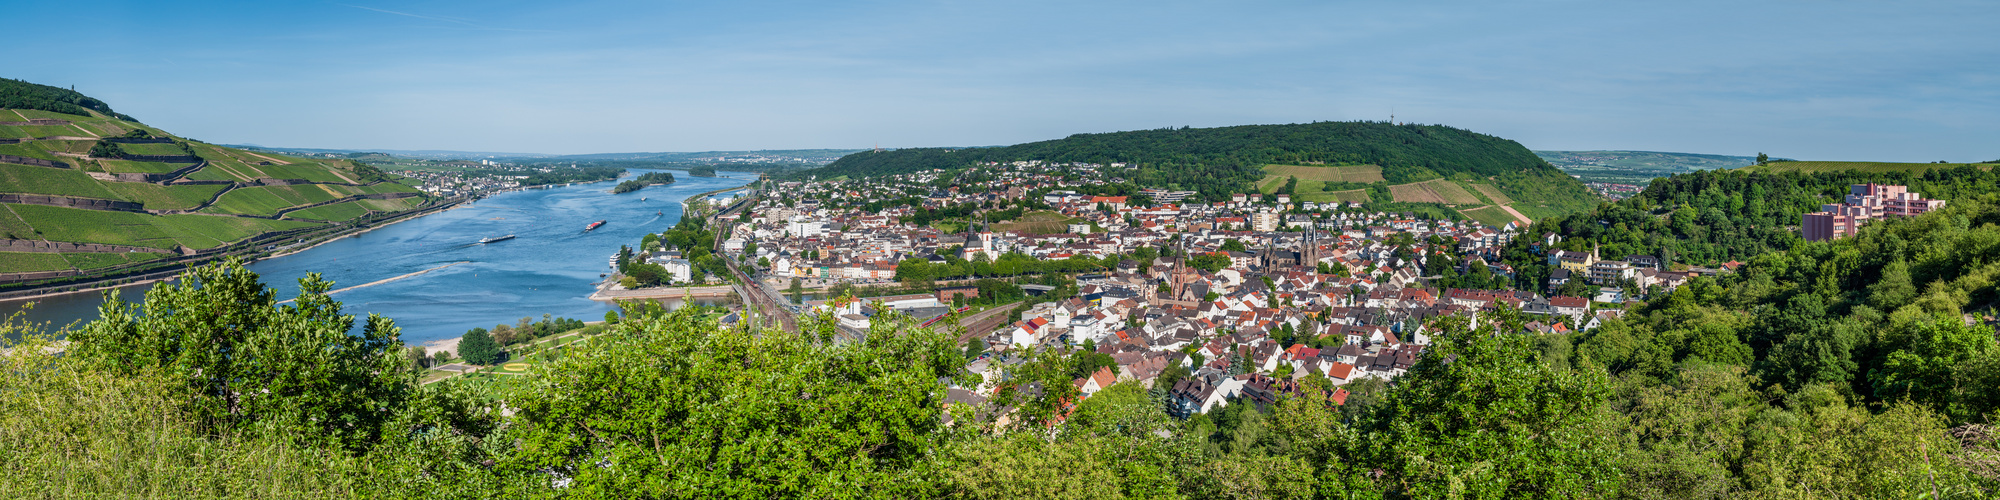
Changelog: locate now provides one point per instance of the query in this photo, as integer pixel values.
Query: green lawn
(158, 197)
(44, 180)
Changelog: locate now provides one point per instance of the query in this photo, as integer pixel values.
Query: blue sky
(1901, 81)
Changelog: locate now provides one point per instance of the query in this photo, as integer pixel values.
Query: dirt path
(269, 159)
(1517, 216)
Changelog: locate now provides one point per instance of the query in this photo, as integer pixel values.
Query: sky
(1813, 80)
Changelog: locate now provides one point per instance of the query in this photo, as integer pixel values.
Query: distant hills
(85, 191)
(1637, 167)
(809, 156)
(1223, 160)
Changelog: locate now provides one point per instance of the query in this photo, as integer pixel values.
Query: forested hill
(1227, 159)
(23, 95)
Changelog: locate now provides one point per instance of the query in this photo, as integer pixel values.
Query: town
(1207, 302)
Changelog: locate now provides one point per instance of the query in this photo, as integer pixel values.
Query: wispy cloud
(452, 20)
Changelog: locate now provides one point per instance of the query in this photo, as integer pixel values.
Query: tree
(1763, 159)
(1233, 245)
(610, 317)
(765, 413)
(247, 365)
(1479, 416)
(477, 347)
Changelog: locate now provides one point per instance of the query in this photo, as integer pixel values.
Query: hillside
(1857, 166)
(85, 191)
(1223, 160)
(1636, 167)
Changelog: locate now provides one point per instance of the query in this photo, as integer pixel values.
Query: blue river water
(550, 267)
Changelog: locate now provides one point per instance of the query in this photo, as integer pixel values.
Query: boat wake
(378, 282)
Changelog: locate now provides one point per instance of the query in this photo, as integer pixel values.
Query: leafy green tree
(246, 364)
(671, 406)
(1481, 417)
(478, 347)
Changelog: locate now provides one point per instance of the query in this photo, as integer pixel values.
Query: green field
(1351, 173)
(1042, 222)
(158, 197)
(153, 149)
(44, 180)
(332, 213)
(139, 167)
(123, 228)
(395, 205)
(13, 228)
(219, 230)
(1433, 191)
(92, 226)
(253, 201)
(1493, 194)
(1492, 216)
(1859, 166)
(21, 262)
(32, 150)
(309, 171)
(19, 131)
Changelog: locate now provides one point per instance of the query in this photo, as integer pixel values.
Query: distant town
(1236, 297)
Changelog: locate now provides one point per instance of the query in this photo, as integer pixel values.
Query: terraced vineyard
(93, 213)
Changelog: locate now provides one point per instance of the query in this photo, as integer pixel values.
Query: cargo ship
(483, 241)
(593, 225)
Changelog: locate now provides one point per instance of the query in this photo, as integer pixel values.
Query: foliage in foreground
(167, 400)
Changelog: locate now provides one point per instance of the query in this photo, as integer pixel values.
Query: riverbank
(462, 202)
(99, 285)
(608, 291)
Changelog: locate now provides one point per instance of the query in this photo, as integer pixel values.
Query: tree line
(1223, 160)
(17, 94)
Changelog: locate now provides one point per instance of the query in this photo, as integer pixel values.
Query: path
(1517, 216)
(269, 159)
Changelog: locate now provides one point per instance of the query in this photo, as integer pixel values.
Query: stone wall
(35, 122)
(135, 140)
(69, 202)
(39, 246)
(38, 162)
(161, 158)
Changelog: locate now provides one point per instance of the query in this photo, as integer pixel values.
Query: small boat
(642, 198)
(483, 241)
(593, 225)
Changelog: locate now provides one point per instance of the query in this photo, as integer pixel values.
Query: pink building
(1864, 202)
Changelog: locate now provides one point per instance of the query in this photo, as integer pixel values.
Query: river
(550, 267)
